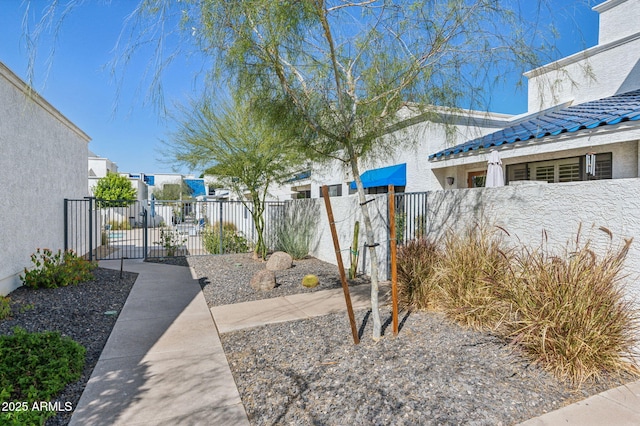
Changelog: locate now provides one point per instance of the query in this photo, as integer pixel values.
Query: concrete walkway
(164, 365)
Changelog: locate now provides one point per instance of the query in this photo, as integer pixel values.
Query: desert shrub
(415, 262)
(119, 225)
(569, 312)
(232, 240)
(5, 307)
(470, 274)
(294, 230)
(56, 270)
(35, 367)
(171, 240)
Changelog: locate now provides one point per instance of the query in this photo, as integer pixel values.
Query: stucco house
(581, 108)
(43, 160)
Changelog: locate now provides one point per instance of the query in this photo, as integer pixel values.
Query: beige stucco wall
(43, 159)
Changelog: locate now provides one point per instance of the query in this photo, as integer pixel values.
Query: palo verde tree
(240, 149)
(114, 190)
(345, 76)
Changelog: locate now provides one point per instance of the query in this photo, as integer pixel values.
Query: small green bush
(56, 270)
(119, 225)
(294, 230)
(310, 281)
(232, 240)
(171, 240)
(5, 307)
(35, 367)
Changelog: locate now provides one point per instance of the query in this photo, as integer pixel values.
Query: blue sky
(127, 128)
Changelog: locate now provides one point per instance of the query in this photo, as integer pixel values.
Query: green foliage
(244, 153)
(35, 367)
(5, 307)
(119, 225)
(567, 312)
(178, 190)
(56, 270)
(114, 190)
(232, 240)
(171, 240)
(295, 227)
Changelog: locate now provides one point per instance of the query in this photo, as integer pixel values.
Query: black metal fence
(99, 229)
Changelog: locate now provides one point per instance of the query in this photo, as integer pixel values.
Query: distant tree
(178, 190)
(114, 190)
(242, 151)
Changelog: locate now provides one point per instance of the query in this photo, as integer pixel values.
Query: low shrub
(470, 274)
(416, 286)
(569, 312)
(35, 367)
(295, 228)
(119, 225)
(5, 307)
(56, 270)
(171, 240)
(232, 240)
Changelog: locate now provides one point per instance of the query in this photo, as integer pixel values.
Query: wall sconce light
(450, 180)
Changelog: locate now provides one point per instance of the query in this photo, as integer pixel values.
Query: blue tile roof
(602, 112)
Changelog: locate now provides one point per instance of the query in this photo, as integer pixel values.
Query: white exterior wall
(43, 160)
(526, 211)
(99, 167)
(618, 19)
(611, 67)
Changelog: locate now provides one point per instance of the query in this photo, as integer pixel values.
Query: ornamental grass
(566, 311)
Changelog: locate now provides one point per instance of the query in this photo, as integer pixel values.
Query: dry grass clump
(569, 313)
(416, 261)
(566, 311)
(470, 275)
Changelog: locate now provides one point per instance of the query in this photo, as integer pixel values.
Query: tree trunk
(373, 256)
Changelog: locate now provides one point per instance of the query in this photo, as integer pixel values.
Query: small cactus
(310, 281)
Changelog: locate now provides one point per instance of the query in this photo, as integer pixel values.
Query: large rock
(279, 261)
(263, 280)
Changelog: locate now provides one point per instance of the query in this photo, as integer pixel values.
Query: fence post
(90, 228)
(66, 224)
(145, 236)
(221, 239)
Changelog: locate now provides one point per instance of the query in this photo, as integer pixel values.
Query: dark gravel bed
(83, 312)
(225, 279)
(434, 372)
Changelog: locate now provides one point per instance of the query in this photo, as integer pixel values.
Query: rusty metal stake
(343, 277)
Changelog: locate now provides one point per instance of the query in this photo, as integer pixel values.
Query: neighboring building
(100, 166)
(583, 108)
(43, 160)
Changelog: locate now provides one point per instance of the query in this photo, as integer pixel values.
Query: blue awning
(392, 175)
(197, 187)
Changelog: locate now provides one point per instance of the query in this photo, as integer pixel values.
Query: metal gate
(99, 229)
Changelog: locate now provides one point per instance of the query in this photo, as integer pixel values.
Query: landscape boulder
(263, 280)
(279, 261)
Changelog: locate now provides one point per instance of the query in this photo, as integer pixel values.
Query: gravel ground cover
(434, 372)
(309, 372)
(225, 279)
(86, 313)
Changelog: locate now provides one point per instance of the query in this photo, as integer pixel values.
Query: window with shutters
(562, 170)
